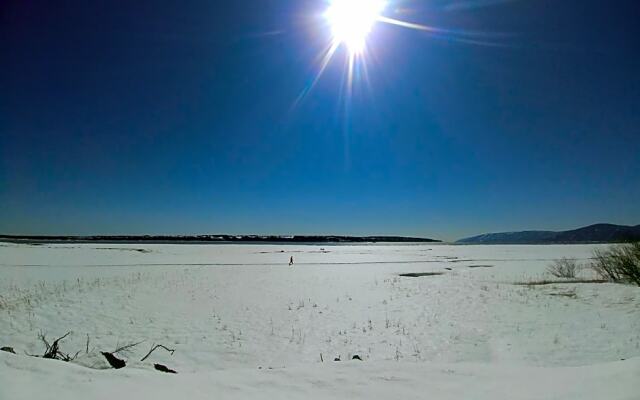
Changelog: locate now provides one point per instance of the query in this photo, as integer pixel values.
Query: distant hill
(221, 238)
(598, 233)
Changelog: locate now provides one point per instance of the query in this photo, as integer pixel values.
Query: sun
(351, 21)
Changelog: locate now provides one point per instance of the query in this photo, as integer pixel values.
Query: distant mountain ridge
(597, 233)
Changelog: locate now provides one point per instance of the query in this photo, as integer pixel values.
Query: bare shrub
(564, 268)
(618, 263)
(543, 282)
(53, 350)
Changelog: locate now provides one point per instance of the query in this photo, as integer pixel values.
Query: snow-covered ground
(246, 325)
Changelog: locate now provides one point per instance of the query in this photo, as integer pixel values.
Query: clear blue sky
(176, 117)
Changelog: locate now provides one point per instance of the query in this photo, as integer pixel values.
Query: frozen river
(243, 308)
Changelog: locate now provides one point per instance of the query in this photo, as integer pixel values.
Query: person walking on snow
(291, 261)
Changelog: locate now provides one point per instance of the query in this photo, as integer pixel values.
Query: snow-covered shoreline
(30, 378)
(232, 312)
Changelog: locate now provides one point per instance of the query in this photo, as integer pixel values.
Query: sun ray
(405, 24)
(351, 22)
(350, 67)
(365, 71)
(326, 59)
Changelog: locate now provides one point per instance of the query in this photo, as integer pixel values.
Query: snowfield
(246, 325)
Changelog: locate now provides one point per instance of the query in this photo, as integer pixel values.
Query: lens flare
(351, 21)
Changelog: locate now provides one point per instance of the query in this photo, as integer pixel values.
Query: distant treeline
(214, 239)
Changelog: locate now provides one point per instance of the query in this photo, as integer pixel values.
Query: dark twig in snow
(119, 349)
(155, 347)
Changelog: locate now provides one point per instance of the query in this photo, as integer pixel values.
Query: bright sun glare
(352, 20)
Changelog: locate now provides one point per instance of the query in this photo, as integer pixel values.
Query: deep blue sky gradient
(177, 117)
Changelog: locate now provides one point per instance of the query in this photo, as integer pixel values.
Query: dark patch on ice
(281, 251)
(121, 249)
(139, 250)
(481, 266)
(419, 274)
